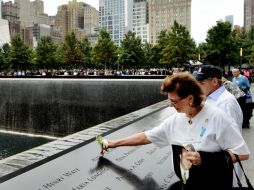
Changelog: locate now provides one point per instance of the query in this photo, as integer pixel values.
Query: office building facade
(4, 29)
(163, 13)
(248, 14)
(113, 17)
(230, 19)
(141, 20)
(77, 17)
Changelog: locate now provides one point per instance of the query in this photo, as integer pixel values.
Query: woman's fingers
(194, 157)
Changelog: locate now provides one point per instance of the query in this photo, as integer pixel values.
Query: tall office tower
(163, 13)
(230, 19)
(24, 7)
(38, 6)
(31, 12)
(71, 18)
(37, 13)
(4, 29)
(248, 14)
(61, 23)
(116, 17)
(91, 20)
(140, 20)
(10, 12)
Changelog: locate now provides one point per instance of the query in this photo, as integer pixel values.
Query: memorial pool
(15, 143)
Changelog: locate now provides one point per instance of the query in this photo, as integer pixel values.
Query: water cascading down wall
(59, 107)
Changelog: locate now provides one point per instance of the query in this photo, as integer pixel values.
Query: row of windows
(139, 24)
(140, 28)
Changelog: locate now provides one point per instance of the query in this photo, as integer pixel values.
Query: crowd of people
(88, 72)
(205, 132)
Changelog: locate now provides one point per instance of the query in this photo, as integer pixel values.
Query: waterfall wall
(59, 107)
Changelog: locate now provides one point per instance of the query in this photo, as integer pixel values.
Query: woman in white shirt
(207, 133)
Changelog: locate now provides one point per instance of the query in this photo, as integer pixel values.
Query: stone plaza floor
(249, 138)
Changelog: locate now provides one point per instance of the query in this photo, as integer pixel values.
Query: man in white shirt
(210, 77)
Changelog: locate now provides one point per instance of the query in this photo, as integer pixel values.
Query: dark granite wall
(59, 107)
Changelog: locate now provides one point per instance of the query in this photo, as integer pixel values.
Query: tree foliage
(247, 42)
(131, 54)
(4, 50)
(221, 47)
(174, 49)
(148, 55)
(46, 54)
(20, 55)
(86, 49)
(178, 47)
(2, 59)
(104, 53)
(72, 54)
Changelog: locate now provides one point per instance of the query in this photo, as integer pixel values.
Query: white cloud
(205, 13)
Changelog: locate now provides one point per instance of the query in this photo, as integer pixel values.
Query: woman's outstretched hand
(103, 143)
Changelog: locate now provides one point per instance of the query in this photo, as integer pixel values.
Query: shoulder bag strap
(246, 178)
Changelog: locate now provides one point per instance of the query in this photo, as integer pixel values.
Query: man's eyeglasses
(174, 102)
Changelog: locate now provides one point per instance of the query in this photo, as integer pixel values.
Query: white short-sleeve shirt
(224, 100)
(211, 131)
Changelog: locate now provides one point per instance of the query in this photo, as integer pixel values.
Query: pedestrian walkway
(248, 135)
(249, 138)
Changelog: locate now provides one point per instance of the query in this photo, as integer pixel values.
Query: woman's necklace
(196, 111)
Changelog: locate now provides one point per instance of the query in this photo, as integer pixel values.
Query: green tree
(157, 49)
(221, 46)
(104, 53)
(251, 57)
(179, 47)
(72, 54)
(201, 50)
(148, 54)
(20, 55)
(131, 52)
(46, 53)
(247, 42)
(162, 40)
(2, 59)
(86, 49)
(4, 50)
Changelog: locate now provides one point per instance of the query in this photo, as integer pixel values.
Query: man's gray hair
(235, 70)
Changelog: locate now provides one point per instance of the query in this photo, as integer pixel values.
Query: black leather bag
(240, 186)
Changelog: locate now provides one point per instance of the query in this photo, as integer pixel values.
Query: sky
(204, 14)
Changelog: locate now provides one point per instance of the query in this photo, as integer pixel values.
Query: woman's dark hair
(183, 84)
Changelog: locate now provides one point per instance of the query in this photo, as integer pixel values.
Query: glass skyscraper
(113, 17)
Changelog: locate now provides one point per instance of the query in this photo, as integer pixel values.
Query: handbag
(240, 186)
(248, 97)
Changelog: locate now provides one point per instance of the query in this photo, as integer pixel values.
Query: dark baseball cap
(207, 72)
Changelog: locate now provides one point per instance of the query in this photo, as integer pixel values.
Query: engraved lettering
(164, 158)
(150, 152)
(126, 154)
(53, 183)
(70, 173)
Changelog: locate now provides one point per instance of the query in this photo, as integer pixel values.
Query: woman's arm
(195, 157)
(241, 157)
(133, 140)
